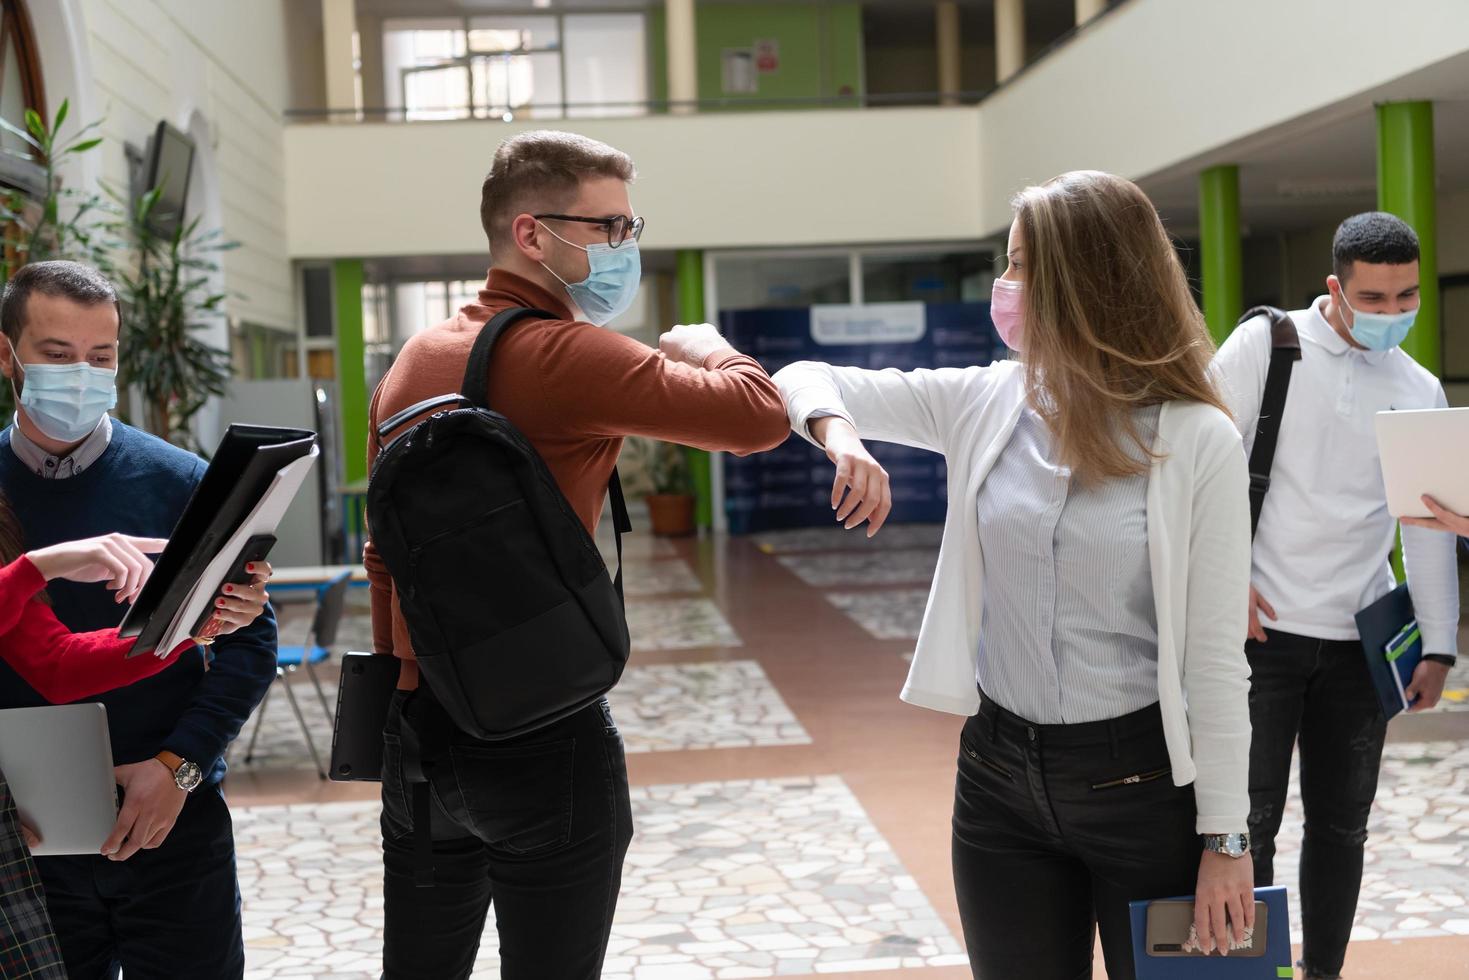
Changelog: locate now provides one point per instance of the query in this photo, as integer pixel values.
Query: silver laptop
(58, 763)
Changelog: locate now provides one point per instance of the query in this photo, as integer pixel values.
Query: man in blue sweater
(162, 902)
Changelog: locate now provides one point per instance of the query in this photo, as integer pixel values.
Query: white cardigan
(1198, 544)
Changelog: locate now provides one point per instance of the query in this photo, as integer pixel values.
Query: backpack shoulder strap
(476, 389)
(1285, 350)
(475, 386)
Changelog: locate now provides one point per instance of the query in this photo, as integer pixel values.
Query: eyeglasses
(619, 227)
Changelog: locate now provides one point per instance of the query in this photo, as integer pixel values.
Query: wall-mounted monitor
(169, 163)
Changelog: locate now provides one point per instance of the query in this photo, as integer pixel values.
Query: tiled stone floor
(792, 872)
(887, 614)
(768, 871)
(1416, 879)
(753, 878)
(725, 705)
(836, 539)
(678, 624)
(658, 707)
(875, 567)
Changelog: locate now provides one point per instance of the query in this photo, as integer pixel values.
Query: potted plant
(168, 297)
(663, 476)
(63, 222)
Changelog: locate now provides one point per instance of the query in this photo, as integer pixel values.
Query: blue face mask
(1379, 331)
(65, 401)
(612, 279)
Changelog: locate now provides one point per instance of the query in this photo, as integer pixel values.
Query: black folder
(247, 460)
(1389, 630)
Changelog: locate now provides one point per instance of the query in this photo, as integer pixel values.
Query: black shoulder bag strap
(1285, 350)
(476, 389)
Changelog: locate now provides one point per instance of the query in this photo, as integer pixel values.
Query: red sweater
(61, 665)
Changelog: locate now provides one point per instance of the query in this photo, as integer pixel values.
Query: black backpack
(513, 616)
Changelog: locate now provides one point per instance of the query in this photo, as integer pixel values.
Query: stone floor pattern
(787, 876)
(877, 567)
(1415, 882)
(659, 708)
(751, 878)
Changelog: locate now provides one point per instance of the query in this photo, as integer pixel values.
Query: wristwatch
(187, 774)
(1233, 845)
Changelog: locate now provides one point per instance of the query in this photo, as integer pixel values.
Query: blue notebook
(1393, 646)
(1160, 929)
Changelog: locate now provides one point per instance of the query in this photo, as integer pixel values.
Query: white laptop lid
(1424, 452)
(57, 761)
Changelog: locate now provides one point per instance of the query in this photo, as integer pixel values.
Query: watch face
(188, 777)
(1233, 845)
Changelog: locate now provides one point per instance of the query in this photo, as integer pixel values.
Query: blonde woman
(1087, 612)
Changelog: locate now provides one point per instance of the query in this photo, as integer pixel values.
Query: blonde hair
(1110, 324)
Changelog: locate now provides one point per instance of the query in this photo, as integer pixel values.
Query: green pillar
(691, 310)
(351, 368)
(1405, 175)
(1220, 253)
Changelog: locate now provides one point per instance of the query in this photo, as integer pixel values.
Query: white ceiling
(1321, 168)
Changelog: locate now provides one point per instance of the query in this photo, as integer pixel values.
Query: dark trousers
(1317, 692)
(1056, 829)
(540, 824)
(163, 914)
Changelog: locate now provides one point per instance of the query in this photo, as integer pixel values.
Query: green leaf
(61, 115)
(84, 146)
(14, 130)
(36, 124)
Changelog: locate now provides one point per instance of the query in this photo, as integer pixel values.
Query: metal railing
(593, 110)
(748, 103)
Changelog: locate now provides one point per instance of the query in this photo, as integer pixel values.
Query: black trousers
(538, 824)
(1056, 829)
(163, 914)
(1317, 692)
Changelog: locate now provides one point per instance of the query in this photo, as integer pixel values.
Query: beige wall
(186, 61)
(710, 181)
(1099, 103)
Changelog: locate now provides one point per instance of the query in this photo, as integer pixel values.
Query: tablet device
(368, 683)
(58, 763)
(1424, 452)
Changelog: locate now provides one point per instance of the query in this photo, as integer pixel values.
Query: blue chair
(331, 604)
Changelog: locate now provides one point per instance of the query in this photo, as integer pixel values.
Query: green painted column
(1220, 253)
(351, 368)
(1405, 187)
(691, 310)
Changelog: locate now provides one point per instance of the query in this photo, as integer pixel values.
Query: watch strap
(173, 761)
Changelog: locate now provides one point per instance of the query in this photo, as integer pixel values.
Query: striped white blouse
(1070, 633)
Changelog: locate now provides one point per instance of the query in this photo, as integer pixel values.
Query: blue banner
(790, 487)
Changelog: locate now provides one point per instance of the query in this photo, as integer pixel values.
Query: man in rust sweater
(546, 821)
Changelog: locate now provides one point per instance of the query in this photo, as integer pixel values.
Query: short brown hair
(541, 171)
(1110, 324)
(79, 283)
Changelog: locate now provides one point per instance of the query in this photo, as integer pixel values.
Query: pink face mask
(1007, 310)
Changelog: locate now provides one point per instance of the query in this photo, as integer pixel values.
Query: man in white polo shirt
(1321, 554)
